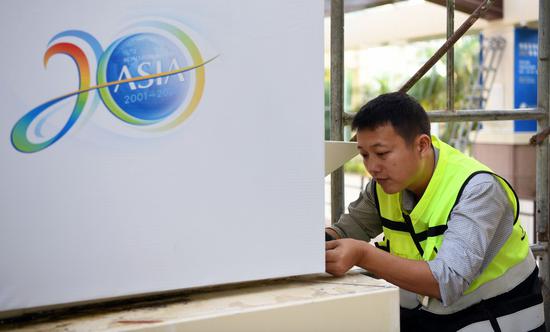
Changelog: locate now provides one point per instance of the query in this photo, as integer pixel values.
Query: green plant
(355, 165)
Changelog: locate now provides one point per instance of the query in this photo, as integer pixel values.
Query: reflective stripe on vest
(419, 235)
(524, 320)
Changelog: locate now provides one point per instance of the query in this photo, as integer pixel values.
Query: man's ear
(424, 143)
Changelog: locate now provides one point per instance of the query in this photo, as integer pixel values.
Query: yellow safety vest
(419, 235)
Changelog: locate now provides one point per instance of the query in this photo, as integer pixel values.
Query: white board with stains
(154, 146)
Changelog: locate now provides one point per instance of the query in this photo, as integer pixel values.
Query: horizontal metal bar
(475, 115)
(347, 118)
(539, 249)
(486, 115)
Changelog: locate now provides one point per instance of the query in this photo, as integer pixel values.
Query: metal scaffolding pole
(477, 115)
(450, 57)
(337, 101)
(486, 115)
(541, 212)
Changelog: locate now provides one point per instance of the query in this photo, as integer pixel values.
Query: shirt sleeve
(478, 227)
(362, 222)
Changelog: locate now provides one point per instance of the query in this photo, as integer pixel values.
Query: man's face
(393, 163)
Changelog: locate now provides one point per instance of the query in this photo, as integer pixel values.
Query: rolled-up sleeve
(478, 227)
(362, 221)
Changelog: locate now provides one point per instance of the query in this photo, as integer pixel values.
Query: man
(452, 240)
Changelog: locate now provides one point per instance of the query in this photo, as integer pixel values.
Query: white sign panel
(148, 146)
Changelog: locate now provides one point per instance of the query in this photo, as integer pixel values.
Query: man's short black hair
(403, 112)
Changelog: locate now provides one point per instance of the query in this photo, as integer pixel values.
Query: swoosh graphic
(135, 79)
(18, 135)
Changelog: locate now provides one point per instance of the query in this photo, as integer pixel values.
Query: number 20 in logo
(153, 79)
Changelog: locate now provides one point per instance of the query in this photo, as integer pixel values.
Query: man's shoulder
(482, 178)
(483, 186)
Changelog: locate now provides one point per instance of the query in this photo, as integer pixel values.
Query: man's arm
(478, 227)
(362, 222)
(415, 276)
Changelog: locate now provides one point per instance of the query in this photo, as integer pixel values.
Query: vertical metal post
(541, 213)
(337, 101)
(450, 57)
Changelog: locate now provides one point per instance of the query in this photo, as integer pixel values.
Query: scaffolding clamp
(539, 137)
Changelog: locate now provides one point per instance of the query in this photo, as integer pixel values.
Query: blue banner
(525, 75)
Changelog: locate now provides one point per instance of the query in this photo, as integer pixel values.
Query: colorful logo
(152, 77)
